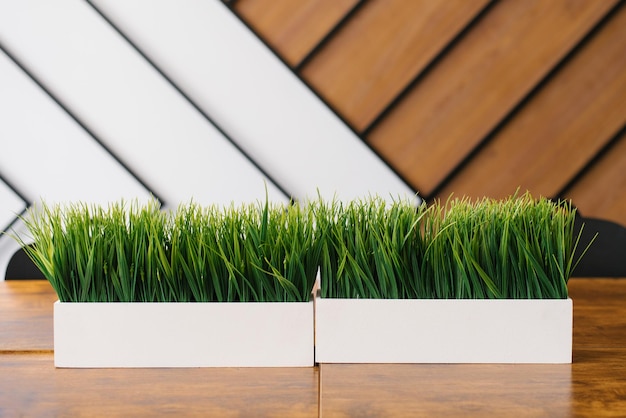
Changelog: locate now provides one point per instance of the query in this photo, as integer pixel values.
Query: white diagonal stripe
(11, 205)
(127, 104)
(46, 155)
(236, 79)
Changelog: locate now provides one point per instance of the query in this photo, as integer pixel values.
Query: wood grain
(399, 390)
(599, 383)
(291, 27)
(361, 70)
(599, 312)
(477, 84)
(26, 315)
(560, 129)
(601, 193)
(31, 386)
(594, 385)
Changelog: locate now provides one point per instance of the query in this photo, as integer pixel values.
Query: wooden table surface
(31, 386)
(594, 385)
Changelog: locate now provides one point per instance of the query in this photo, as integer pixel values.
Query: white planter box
(183, 334)
(443, 331)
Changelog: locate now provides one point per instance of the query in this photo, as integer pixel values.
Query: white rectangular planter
(443, 331)
(237, 334)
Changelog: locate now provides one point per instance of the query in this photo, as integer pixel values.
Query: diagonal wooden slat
(560, 128)
(255, 98)
(293, 28)
(380, 50)
(591, 162)
(601, 192)
(478, 83)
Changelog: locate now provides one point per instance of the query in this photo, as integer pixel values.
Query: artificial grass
(517, 247)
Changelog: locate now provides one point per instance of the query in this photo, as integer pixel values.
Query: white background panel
(46, 155)
(254, 97)
(11, 205)
(127, 104)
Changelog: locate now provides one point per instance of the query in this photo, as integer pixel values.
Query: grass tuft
(132, 253)
(516, 248)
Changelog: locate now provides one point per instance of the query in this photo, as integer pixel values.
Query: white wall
(184, 103)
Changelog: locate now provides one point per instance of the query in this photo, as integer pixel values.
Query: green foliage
(128, 253)
(371, 249)
(515, 248)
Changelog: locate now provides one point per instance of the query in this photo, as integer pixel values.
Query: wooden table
(594, 385)
(31, 386)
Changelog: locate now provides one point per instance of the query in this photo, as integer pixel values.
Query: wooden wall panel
(293, 27)
(375, 55)
(478, 83)
(525, 95)
(601, 193)
(560, 129)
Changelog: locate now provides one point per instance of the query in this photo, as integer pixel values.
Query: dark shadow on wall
(22, 267)
(607, 255)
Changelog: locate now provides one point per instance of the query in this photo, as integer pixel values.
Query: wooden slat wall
(547, 142)
(600, 193)
(471, 97)
(359, 73)
(293, 28)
